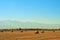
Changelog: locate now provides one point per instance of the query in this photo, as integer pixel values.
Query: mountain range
(18, 24)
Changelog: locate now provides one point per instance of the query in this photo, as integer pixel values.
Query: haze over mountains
(19, 24)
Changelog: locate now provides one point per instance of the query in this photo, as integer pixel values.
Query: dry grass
(30, 35)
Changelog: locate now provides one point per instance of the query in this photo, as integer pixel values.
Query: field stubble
(29, 35)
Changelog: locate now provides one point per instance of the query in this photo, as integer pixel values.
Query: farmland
(30, 35)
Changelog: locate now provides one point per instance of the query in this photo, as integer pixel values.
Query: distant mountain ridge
(19, 24)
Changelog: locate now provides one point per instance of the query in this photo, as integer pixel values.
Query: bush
(19, 28)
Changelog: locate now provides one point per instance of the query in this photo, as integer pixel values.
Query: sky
(43, 11)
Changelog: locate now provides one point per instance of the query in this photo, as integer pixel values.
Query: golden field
(30, 35)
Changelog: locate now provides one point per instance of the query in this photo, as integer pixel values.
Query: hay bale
(11, 30)
(53, 30)
(21, 30)
(37, 32)
(1, 30)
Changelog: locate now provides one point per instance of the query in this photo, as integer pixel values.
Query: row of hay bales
(37, 30)
(21, 30)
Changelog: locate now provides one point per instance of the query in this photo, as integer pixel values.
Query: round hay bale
(53, 30)
(1, 30)
(37, 32)
(21, 30)
(11, 30)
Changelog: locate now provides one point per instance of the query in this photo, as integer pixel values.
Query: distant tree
(19, 28)
(59, 29)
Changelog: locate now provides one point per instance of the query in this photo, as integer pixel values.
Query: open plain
(30, 35)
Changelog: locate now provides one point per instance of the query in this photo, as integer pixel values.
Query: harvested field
(30, 35)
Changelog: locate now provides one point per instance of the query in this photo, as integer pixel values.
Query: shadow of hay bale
(42, 31)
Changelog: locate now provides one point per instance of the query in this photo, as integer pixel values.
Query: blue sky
(38, 10)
